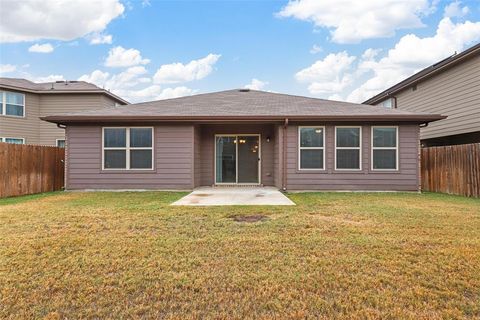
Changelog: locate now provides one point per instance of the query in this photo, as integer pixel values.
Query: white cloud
(136, 85)
(121, 57)
(7, 68)
(128, 78)
(154, 92)
(170, 93)
(49, 78)
(316, 49)
(100, 38)
(97, 77)
(358, 78)
(41, 48)
(128, 84)
(256, 84)
(179, 72)
(412, 54)
(370, 53)
(353, 21)
(454, 9)
(61, 20)
(329, 75)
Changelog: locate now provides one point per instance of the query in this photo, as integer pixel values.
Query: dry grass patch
(131, 255)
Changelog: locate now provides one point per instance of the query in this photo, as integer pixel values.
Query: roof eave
(343, 118)
(53, 91)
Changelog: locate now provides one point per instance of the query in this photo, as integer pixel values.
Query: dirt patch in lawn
(249, 218)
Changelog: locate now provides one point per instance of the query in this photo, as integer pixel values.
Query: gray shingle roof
(54, 87)
(237, 104)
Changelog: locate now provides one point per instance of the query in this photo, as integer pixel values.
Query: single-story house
(243, 137)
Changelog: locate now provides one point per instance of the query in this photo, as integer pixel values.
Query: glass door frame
(236, 135)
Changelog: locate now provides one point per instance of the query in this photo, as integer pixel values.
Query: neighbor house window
(389, 103)
(384, 148)
(12, 104)
(13, 140)
(311, 151)
(61, 143)
(348, 141)
(128, 148)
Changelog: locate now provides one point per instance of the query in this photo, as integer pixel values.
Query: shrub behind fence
(28, 169)
(452, 169)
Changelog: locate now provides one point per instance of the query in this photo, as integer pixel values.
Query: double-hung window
(12, 104)
(311, 151)
(128, 148)
(13, 140)
(348, 141)
(60, 143)
(385, 148)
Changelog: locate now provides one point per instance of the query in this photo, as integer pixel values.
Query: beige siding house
(23, 102)
(452, 88)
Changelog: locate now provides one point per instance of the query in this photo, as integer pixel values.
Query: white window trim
(300, 148)
(64, 141)
(127, 149)
(396, 148)
(349, 148)
(3, 111)
(3, 139)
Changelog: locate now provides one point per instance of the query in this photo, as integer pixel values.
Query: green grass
(334, 255)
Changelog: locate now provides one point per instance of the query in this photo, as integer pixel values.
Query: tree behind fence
(452, 169)
(28, 169)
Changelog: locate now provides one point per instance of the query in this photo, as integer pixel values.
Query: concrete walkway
(228, 196)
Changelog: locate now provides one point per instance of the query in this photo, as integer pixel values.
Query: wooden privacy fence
(452, 169)
(28, 169)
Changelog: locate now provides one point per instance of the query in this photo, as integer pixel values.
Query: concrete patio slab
(229, 196)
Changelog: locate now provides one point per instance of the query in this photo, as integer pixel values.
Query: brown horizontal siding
(173, 161)
(197, 156)
(277, 156)
(454, 93)
(405, 179)
(207, 136)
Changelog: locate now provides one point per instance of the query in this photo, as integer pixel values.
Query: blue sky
(144, 50)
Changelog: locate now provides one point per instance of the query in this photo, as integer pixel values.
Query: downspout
(284, 154)
(65, 175)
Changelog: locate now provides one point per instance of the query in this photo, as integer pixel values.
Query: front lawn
(334, 255)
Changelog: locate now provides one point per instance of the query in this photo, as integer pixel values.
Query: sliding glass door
(226, 159)
(237, 159)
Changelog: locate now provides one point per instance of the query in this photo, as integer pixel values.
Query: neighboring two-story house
(23, 102)
(450, 87)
